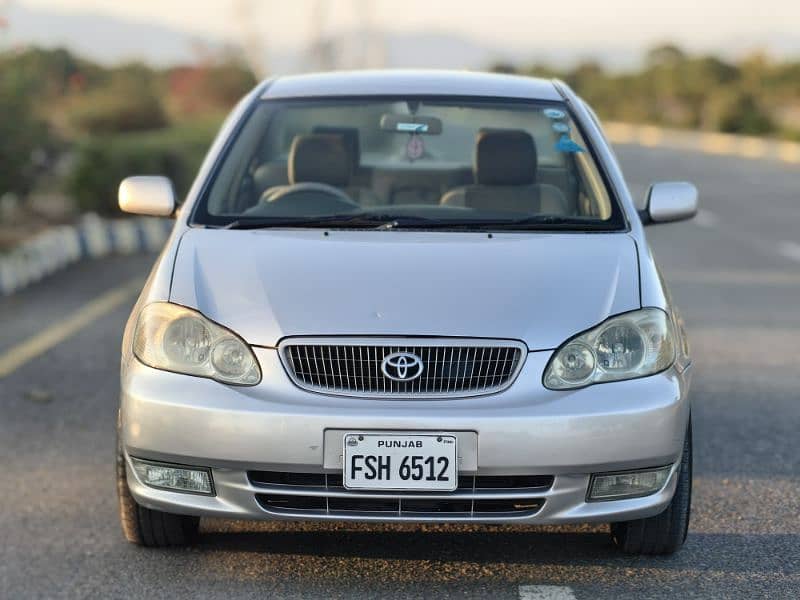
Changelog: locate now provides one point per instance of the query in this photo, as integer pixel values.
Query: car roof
(412, 82)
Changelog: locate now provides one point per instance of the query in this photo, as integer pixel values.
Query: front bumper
(525, 430)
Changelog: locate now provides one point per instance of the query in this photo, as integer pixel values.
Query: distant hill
(111, 39)
(100, 37)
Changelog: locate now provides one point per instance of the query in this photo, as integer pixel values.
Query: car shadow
(509, 545)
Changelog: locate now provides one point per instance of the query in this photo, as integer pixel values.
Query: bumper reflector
(174, 477)
(630, 484)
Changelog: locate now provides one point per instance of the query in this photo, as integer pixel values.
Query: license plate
(388, 461)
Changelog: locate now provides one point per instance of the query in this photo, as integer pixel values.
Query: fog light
(174, 477)
(630, 484)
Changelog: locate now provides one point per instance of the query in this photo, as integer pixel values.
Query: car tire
(664, 533)
(147, 527)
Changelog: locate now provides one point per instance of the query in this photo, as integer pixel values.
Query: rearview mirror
(147, 195)
(411, 124)
(669, 201)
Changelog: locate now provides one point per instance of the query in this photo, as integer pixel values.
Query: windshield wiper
(354, 221)
(547, 222)
(541, 222)
(388, 221)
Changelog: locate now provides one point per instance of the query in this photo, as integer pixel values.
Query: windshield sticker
(415, 147)
(560, 127)
(565, 144)
(413, 127)
(554, 113)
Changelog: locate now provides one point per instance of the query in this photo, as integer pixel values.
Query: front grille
(465, 482)
(448, 368)
(320, 495)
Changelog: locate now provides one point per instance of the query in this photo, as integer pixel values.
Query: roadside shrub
(206, 89)
(23, 137)
(118, 107)
(741, 113)
(102, 162)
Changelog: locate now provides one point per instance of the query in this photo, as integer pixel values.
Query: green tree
(664, 55)
(740, 112)
(22, 137)
(128, 101)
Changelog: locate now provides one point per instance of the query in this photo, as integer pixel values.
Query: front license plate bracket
(400, 462)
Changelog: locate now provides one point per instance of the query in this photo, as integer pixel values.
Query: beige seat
(359, 176)
(319, 169)
(321, 158)
(504, 168)
(271, 174)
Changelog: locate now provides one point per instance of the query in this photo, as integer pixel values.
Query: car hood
(538, 288)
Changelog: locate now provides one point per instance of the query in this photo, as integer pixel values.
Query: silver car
(409, 296)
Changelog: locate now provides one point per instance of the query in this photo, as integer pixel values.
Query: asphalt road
(735, 272)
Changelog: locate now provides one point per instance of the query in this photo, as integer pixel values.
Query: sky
(696, 24)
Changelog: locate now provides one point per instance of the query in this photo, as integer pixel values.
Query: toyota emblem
(402, 366)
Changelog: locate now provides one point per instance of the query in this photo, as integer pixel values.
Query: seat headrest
(505, 157)
(350, 138)
(319, 158)
(269, 175)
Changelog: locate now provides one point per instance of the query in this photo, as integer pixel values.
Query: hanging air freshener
(415, 147)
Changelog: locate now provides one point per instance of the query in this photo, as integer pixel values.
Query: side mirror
(669, 201)
(147, 195)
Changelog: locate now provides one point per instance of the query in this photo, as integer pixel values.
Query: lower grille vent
(323, 495)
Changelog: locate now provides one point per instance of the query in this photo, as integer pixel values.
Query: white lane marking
(545, 592)
(753, 148)
(733, 277)
(789, 152)
(650, 136)
(13, 358)
(718, 143)
(789, 250)
(706, 218)
(707, 143)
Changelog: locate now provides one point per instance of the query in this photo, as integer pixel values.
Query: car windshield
(412, 162)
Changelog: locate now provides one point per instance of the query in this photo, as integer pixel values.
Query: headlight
(632, 345)
(179, 339)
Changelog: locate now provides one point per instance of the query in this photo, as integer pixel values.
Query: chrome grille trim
(322, 496)
(351, 366)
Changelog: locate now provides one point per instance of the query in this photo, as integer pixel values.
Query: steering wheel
(308, 199)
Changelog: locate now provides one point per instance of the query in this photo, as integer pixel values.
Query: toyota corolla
(407, 297)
